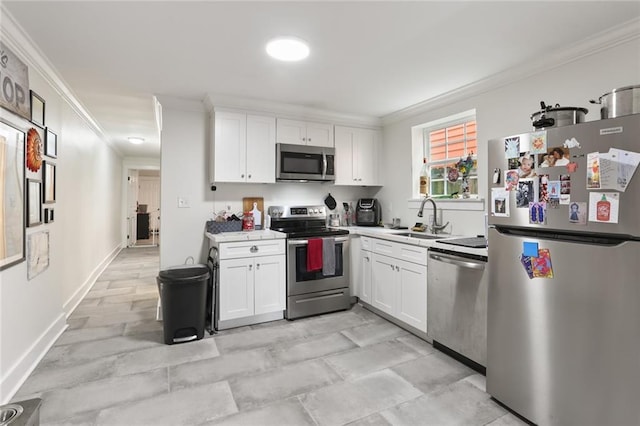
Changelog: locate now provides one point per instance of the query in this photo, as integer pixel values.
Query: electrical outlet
(183, 203)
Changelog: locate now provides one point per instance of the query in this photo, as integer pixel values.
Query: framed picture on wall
(48, 215)
(49, 177)
(37, 109)
(34, 202)
(12, 217)
(50, 144)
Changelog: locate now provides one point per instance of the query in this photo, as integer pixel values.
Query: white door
(132, 198)
(269, 284)
(230, 147)
(291, 131)
(149, 194)
(320, 134)
(236, 289)
(365, 274)
(412, 297)
(384, 283)
(261, 149)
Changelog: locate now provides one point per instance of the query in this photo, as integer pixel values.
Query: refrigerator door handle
(464, 263)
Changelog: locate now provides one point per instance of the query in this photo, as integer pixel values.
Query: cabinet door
(319, 134)
(384, 283)
(261, 149)
(344, 156)
(412, 297)
(365, 157)
(230, 147)
(269, 284)
(291, 131)
(365, 276)
(236, 288)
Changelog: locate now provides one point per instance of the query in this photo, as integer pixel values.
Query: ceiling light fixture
(288, 49)
(136, 141)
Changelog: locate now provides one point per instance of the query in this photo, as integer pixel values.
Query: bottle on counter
(247, 221)
(424, 178)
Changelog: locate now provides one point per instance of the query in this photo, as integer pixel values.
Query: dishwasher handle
(458, 261)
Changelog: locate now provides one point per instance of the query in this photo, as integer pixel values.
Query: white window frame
(418, 153)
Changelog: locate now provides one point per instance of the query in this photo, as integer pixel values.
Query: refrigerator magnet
(572, 167)
(526, 263)
(512, 147)
(578, 213)
(499, 202)
(571, 143)
(538, 213)
(603, 207)
(511, 179)
(539, 142)
(529, 248)
(542, 264)
(593, 170)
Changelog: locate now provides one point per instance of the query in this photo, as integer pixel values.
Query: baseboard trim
(72, 303)
(20, 371)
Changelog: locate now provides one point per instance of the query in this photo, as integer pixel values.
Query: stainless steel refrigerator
(563, 343)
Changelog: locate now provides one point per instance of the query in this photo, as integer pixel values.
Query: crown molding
(213, 101)
(599, 42)
(15, 37)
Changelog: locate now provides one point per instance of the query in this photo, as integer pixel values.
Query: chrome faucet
(434, 226)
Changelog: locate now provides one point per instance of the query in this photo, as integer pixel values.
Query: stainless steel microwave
(304, 163)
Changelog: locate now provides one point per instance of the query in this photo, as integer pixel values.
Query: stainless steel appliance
(619, 102)
(301, 163)
(311, 293)
(564, 345)
(368, 212)
(457, 305)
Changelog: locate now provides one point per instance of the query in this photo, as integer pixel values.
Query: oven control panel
(297, 212)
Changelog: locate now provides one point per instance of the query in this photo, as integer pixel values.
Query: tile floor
(110, 367)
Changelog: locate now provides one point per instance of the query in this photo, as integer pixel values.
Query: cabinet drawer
(408, 252)
(251, 248)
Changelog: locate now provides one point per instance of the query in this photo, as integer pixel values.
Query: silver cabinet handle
(257, 266)
(250, 267)
(249, 176)
(366, 258)
(253, 249)
(391, 267)
(458, 261)
(242, 175)
(397, 268)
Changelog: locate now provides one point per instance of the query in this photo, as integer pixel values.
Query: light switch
(183, 203)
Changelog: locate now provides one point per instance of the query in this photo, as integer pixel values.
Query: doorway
(143, 208)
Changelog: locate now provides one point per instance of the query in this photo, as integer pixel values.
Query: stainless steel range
(312, 292)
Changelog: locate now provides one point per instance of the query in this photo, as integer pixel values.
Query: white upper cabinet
(357, 156)
(243, 148)
(304, 133)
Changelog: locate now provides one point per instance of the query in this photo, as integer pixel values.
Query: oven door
(301, 281)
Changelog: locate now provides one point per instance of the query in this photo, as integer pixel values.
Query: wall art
(34, 202)
(37, 109)
(37, 253)
(34, 148)
(51, 144)
(12, 217)
(14, 95)
(49, 178)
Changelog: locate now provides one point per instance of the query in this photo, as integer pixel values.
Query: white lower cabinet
(398, 283)
(254, 284)
(365, 266)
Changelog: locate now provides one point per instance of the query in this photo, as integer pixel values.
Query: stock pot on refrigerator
(619, 102)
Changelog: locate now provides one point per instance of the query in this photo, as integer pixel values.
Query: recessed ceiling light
(288, 49)
(136, 141)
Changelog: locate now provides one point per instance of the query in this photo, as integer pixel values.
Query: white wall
(185, 171)
(83, 238)
(504, 111)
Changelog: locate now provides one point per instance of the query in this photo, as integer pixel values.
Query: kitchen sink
(421, 236)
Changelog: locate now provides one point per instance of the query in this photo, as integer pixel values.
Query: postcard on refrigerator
(604, 207)
(593, 170)
(499, 202)
(617, 168)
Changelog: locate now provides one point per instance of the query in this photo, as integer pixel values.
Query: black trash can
(183, 295)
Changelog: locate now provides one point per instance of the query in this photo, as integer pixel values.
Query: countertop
(369, 231)
(229, 237)
(391, 235)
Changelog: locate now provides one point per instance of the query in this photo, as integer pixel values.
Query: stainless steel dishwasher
(457, 305)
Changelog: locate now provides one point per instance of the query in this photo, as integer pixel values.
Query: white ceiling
(367, 58)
